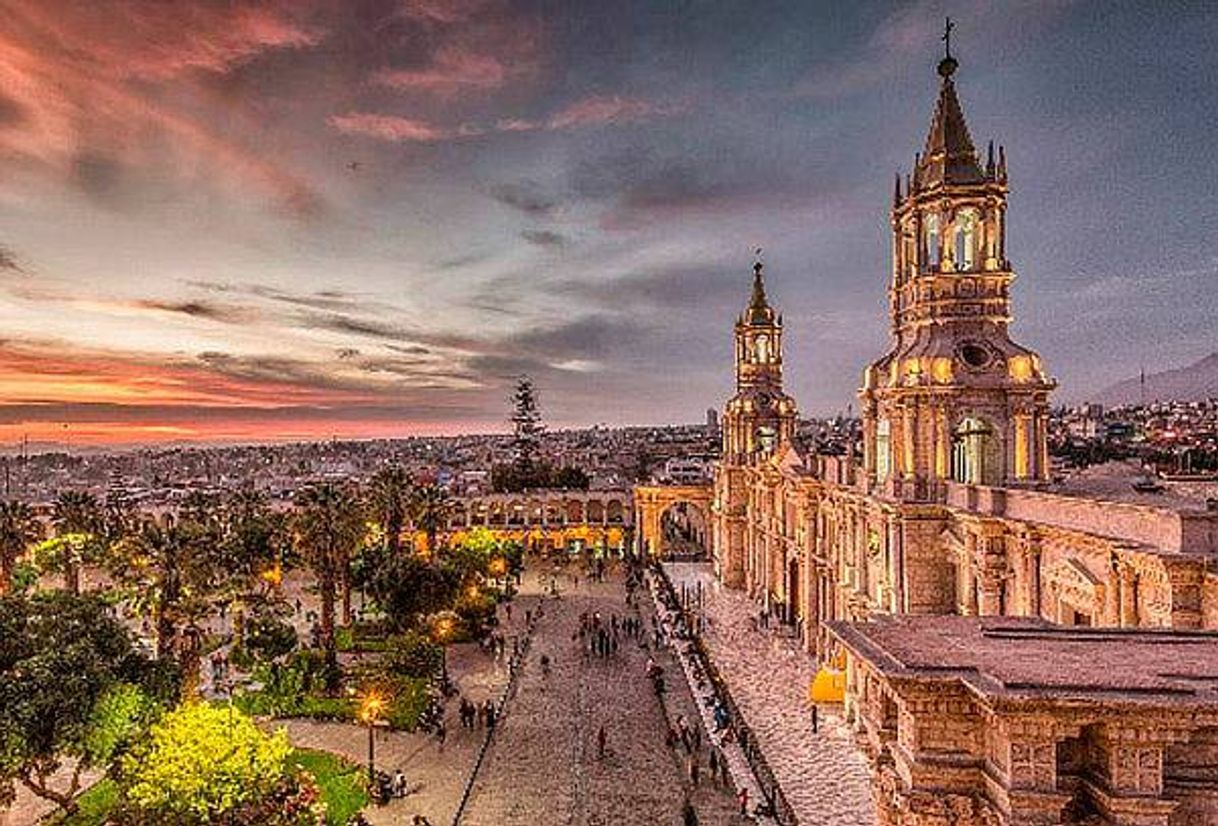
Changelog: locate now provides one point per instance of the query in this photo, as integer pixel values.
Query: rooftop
(1017, 659)
(1113, 482)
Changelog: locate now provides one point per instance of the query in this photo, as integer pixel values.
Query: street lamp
(443, 630)
(369, 712)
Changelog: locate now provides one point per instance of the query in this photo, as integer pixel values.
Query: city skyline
(241, 221)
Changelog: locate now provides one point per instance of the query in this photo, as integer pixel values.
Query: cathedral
(947, 548)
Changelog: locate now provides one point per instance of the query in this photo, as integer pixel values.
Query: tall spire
(759, 308)
(950, 157)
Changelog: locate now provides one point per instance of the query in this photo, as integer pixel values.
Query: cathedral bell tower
(954, 399)
(760, 417)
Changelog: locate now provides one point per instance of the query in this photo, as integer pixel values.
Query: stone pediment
(1075, 582)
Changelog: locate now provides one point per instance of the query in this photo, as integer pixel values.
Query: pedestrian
(742, 797)
(399, 784)
(507, 609)
(441, 734)
(815, 718)
(695, 770)
(600, 743)
(688, 816)
(713, 765)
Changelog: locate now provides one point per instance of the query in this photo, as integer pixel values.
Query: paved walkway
(824, 776)
(543, 766)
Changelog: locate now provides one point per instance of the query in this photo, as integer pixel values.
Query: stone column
(1128, 585)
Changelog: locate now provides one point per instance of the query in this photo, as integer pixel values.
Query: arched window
(883, 448)
(967, 225)
(934, 243)
(761, 348)
(976, 453)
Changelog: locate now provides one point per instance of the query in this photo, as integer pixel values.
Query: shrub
(411, 654)
(204, 764)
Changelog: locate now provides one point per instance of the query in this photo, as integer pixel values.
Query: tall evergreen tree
(527, 429)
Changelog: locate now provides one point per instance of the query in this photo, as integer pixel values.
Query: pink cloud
(453, 70)
(596, 111)
(97, 82)
(472, 46)
(389, 128)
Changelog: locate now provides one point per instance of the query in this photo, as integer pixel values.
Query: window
(761, 349)
(930, 230)
(976, 453)
(883, 439)
(966, 240)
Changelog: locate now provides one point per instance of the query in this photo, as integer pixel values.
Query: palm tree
(328, 528)
(19, 529)
(430, 507)
(389, 497)
(77, 517)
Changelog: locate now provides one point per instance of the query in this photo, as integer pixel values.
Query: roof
(1021, 659)
(949, 157)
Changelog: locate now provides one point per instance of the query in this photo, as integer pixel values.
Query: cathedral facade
(949, 511)
(1014, 655)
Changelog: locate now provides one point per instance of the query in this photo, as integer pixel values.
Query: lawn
(341, 784)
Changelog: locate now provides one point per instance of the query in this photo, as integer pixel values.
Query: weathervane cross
(947, 36)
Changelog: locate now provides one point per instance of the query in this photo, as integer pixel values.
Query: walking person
(689, 817)
(815, 718)
(601, 739)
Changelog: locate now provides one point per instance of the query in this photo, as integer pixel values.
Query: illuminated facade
(950, 513)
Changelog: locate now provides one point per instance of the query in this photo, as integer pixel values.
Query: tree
(405, 586)
(527, 429)
(570, 478)
(201, 764)
(19, 529)
(77, 519)
(389, 499)
(71, 687)
(430, 506)
(329, 526)
(252, 549)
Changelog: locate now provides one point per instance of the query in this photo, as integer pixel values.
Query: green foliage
(19, 529)
(342, 784)
(200, 763)
(117, 717)
(329, 527)
(269, 638)
(64, 660)
(24, 578)
(94, 807)
(412, 654)
(407, 586)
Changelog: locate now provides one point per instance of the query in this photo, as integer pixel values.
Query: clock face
(763, 400)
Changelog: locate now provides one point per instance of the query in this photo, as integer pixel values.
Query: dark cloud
(199, 309)
(11, 112)
(527, 196)
(544, 237)
(9, 262)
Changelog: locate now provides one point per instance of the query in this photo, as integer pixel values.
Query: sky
(234, 220)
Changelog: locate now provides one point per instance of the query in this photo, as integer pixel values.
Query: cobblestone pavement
(824, 776)
(543, 766)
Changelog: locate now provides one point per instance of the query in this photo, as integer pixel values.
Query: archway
(684, 532)
(660, 530)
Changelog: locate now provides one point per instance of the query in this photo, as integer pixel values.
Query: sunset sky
(264, 220)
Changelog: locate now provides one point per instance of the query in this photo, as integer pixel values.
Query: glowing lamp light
(371, 707)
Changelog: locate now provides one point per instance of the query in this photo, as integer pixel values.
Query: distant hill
(1195, 382)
